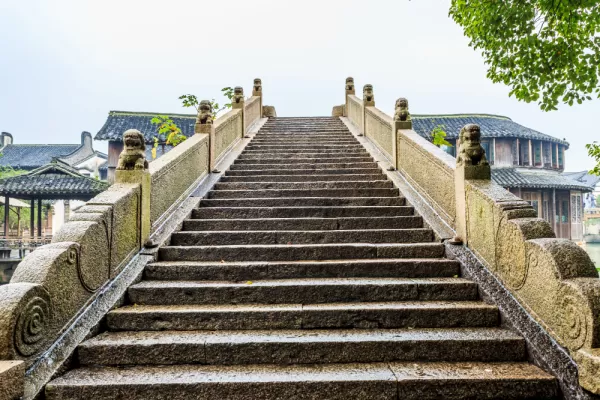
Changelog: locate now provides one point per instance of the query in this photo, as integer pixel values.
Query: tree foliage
(189, 100)
(594, 152)
(438, 136)
(167, 128)
(545, 50)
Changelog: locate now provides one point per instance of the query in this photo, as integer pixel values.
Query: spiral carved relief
(572, 320)
(32, 327)
(511, 258)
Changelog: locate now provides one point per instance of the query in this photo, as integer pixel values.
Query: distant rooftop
(522, 178)
(492, 126)
(120, 121)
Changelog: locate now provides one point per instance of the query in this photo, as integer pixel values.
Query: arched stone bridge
(303, 258)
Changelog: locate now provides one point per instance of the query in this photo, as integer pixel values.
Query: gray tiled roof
(494, 126)
(516, 178)
(120, 121)
(31, 156)
(55, 180)
(583, 176)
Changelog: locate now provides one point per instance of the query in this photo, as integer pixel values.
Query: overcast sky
(65, 64)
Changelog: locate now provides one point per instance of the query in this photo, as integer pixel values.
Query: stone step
(296, 224)
(301, 290)
(284, 252)
(323, 160)
(298, 193)
(219, 238)
(305, 178)
(299, 212)
(305, 166)
(306, 202)
(302, 346)
(308, 154)
(390, 315)
(303, 172)
(260, 144)
(251, 271)
(377, 381)
(374, 184)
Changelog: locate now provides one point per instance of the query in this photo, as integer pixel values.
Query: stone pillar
(133, 169)
(368, 101)
(257, 91)
(350, 90)
(238, 103)
(471, 163)
(402, 120)
(6, 215)
(205, 124)
(32, 219)
(39, 218)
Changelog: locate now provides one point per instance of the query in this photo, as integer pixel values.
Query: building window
(554, 160)
(489, 150)
(565, 212)
(524, 150)
(560, 157)
(537, 153)
(576, 208)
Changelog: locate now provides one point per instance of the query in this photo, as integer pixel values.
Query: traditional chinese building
(120, 121)
(526, 162)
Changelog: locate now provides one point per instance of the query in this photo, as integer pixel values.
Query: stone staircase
(304, 274)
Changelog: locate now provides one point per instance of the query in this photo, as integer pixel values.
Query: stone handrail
(378, 127)
(356, 112)
(55, 285)
(189, 163)
(553, 279)
(251, 111)
(434, 183)
(228, 129)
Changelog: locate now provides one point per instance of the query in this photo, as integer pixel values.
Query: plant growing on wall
(168, 128)
(438, 136)
(189, 100)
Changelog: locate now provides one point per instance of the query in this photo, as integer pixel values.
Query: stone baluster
(350, 90)
(132, 168)
(402, 120)
(471, 164)
(257, 91)
(368, 101)
(239, 103)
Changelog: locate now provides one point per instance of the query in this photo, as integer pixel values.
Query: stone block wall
(356, 112)
(378, 127)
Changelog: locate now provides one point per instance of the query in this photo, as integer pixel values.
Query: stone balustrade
(53, 286)
(553, 279)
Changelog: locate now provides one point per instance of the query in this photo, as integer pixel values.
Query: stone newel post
(471, 164)
(238, 103)
(368, 101)
(205, 124)
(257, 91)
(349, 91)
(133, 168)
(402, 120)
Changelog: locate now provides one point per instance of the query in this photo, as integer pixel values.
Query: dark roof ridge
(116, 112)
(457, 115)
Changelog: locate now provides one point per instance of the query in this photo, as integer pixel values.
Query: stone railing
(553, 279)
(228, 130)
(251, 111)
(189, 163)
(355, 111)
(378, 128)
(56, 289)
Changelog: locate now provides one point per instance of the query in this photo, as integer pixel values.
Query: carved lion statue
(401, 113)
(133, 155)
(349, 84)
(470, 151)
(205, 115)
(368, 93)
(238, 94)
(257, 86)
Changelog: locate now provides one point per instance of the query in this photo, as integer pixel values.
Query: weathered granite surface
(11, 379)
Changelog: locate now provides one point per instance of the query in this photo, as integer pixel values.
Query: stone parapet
(228, 129)
(378, 127)
(355, 112)
(252, 112)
